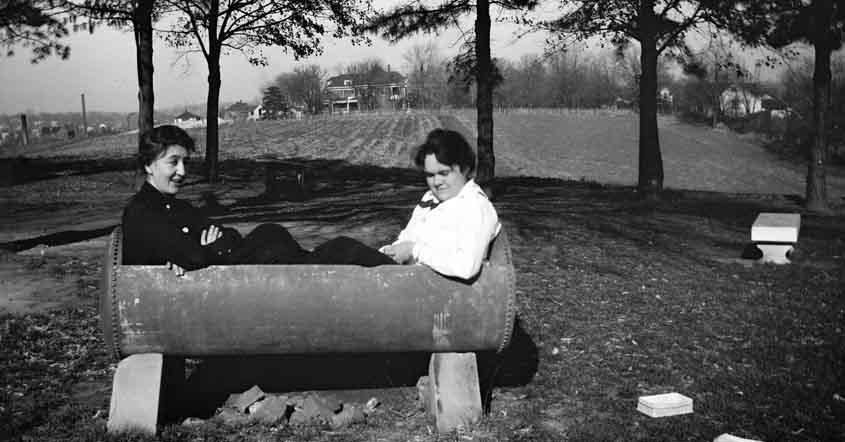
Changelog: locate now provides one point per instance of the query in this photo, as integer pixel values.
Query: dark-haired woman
(451, 228)
(160, 229)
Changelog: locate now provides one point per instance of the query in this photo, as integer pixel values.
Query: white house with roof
(736, 101)
(187, 120)
(256, 113)
(349, 92)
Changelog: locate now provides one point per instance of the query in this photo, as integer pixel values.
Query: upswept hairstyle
(155, 141)
(449, 147)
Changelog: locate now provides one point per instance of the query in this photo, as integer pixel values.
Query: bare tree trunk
(211, 129)
(714, 121)
(213, 100)
(717, 99)
(142, 22)
(650, 180)
(816, 193)
(484, 96)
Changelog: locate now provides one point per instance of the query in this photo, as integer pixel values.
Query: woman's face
(167, 171)
(444, 181)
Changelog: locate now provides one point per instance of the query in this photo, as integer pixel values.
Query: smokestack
(84, 118)
(24, 130)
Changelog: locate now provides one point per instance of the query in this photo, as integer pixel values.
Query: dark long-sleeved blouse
(159, 228)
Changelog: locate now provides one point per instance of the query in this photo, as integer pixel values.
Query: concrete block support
(135, 394)
(455, 393)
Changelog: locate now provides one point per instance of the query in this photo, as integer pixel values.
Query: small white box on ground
(776, 227)
(668, 404)
(731, 438)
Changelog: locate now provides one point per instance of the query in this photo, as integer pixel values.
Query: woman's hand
(209, 235)
(401, 252)
(179, 271)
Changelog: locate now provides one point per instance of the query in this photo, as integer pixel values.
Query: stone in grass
(424, 394)
(371, 406)
(315, 409)
(731, 438)
(350, 414)
(192, 421)
(661, 405)
(230, 416)
(242, 401)
(270, 410)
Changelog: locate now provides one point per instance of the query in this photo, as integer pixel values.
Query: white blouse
(452, 238)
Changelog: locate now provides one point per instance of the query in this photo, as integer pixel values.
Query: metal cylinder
(304, 309)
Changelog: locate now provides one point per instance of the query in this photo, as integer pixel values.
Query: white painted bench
(775, 234)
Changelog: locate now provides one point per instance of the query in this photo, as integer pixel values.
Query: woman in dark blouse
(160, 229)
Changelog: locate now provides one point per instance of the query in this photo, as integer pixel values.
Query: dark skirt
(273, 244)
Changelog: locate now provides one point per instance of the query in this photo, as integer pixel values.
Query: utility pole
(24, 130)
(84, 119)
(422, 87)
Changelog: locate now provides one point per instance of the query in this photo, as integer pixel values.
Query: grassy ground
(618, 298)
(602, 146)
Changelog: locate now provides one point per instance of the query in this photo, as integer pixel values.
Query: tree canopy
(274, 101)
(303, 87)
(37, 24)
(294, 26)
(426, 75)
(137, 15)
(660, 27)
(415, 17)
(821, 23)
(215, 27)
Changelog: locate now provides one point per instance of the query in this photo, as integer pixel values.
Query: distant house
(737, 102)
(239, 111)
(187, 120)
(351, 92)
(665, 95)
(51, 130)
(257, 112)
(186, 117)
(665, 100)
(621, 103)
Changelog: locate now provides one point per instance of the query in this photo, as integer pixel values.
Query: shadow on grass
(214, 379)
(21, 170)
(56, 239)
(324, 190)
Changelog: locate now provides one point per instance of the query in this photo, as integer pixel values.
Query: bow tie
(431, 204)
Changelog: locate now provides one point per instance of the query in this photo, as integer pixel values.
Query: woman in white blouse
(454, 223)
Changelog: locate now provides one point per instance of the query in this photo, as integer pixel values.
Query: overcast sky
(102, 66)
